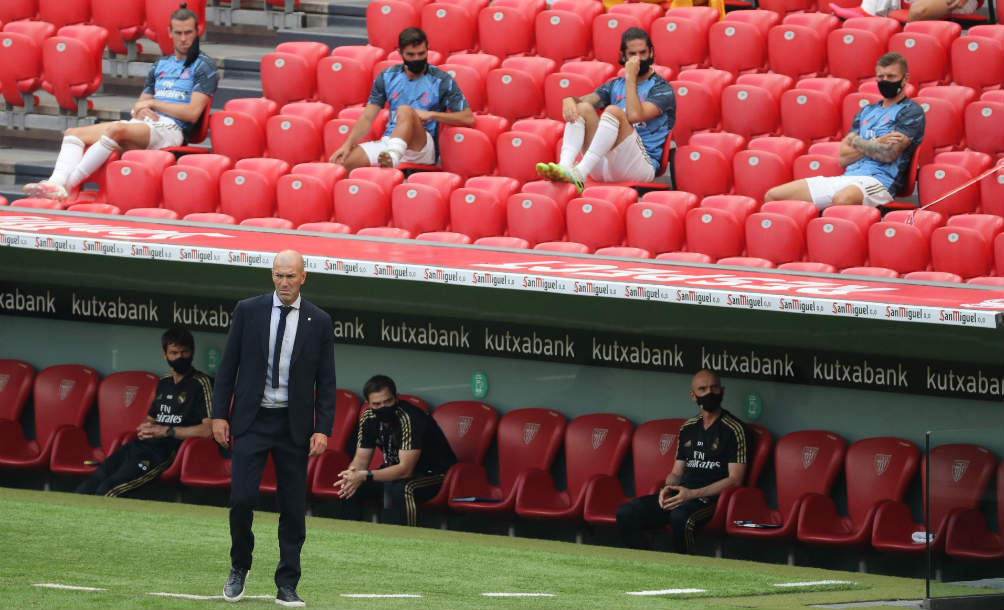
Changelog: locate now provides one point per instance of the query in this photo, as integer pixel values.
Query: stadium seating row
(806, 465)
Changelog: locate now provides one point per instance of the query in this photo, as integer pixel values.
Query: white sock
(70, 154)
(603, 141)
(94, 158)
(397, 145)
(571, 143)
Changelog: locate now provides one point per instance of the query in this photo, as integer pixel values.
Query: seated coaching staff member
(279, 352)
(711, 455)
(416, 456)
(180, 410)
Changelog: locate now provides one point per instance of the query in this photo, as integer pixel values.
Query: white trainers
(388, 158)
(46, 190)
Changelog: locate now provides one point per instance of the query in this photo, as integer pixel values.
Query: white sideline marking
(379, 595)
(667, 592)
(517, 594)
(813, 583)
(205, 597)
(52, 585)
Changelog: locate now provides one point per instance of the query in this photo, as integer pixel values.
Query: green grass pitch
(132, 548)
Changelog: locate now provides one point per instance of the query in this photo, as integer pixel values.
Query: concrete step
(332, 35)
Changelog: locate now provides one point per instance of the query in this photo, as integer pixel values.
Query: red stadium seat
(158, 21)
(654, 227)
(765, 163)
(528, 440)
(123, 401)
(878, 470)
(445, 237)
(482, 62)
(898, 246)
(336, 458)
(883, 272)
(305, 194)
(268, 223)
(680, 42)
(607, 31)
(621, 196)
(796, 51)
(470, 428)
(134, 181)
(296, 134)
(815, 165)
(965, 245)
(746, 261)
(18, 377)
(450, 27)
(64, 12)
(248, 190)
(421, 208)
(94, 208)
(560, 192)
(389, 232)
(853, 49)
(343, 81)
(477, 212)
(21, 60)
(804, 462)
(386, 18)
(942, 127)
(837, 240)
(985, 127)
(925, 220)
(737, 46)
(368, 55)
(518, 152)
(623, 252)
(571, 247)
(193, 184)
(763, 443)
(239, 129)
(992, 194)
(513, 94)
(594, 222)
(360, 203)
(685, 257)
(38, 204)
(753, 105)
(799, 211)
(715, 80)
(697, 109)
(470, 82)
(949, 171)
(156, 213)
(653, 448)
(808, 266)
(501, 186)
(12, 10)
(740, 206)
(933, 276)
(384, 177)
(202, 465)
(562, 35)
(62, 396)
(774, 237)
(210, 218)
(325, 227)
(471, 152)
(595, 446)
(535, 218)
(926, 55)
(704, 166)
(681, 201)
(978, 61)
(503, 242)
(810, 115)
(71, 62)
(958, 95)
(953, 487)
(714, 232)
(967, 536)
(504, 31)
(125, 22)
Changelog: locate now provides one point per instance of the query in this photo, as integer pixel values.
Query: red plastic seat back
(535, 218)
(237, 135)
(562, 35)
(64, 12)
(654, 227)
(527, 438)
(594, 222)
(125, 21)
(762, 442)
(347, 411)
(607, 31)
(386, 18)
(654, 453)
(796, 50)
(20, 65)
(878, 469)
(959, 476)
(62, 396)
(15, 385)
(807, 461)
(504, 31)
(450, 27)
(469, 427)
(477, 213)
(714, 232)
(72, 63)
(11, 10)
(123, 401)
(595, 444)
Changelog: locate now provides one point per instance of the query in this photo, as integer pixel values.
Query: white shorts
(426, 156)
(969, 6)
(164, 133)
(627, 162)
(823, 188)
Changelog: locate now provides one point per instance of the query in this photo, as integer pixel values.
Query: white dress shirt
(276, 398)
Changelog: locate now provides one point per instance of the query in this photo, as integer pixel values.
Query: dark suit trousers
(644, 513)
(269, 433)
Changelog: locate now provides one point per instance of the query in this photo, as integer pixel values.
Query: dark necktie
(283, 312)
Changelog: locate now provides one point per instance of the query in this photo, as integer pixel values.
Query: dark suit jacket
(241, 373)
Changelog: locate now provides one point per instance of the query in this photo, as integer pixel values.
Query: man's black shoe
(233, 591)
(287, 597)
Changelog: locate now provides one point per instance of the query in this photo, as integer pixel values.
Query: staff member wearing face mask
(712, 455)
(416, 456)
(419, 97)
(180, 410)
(625, 143)
(877, 152)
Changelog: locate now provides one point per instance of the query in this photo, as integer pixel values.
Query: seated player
(625, 143)
(178, 89)
(876, 153)
(416, 456)
(420, 98)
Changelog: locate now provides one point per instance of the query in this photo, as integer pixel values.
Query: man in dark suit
(278, 367)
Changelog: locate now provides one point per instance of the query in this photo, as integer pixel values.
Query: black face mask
(711, 402)
(385, 414)
(181, 365)
(416, 66)
(890, 88)
(643, 66)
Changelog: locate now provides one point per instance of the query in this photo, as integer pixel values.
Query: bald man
(279, 349)
(712, 453)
